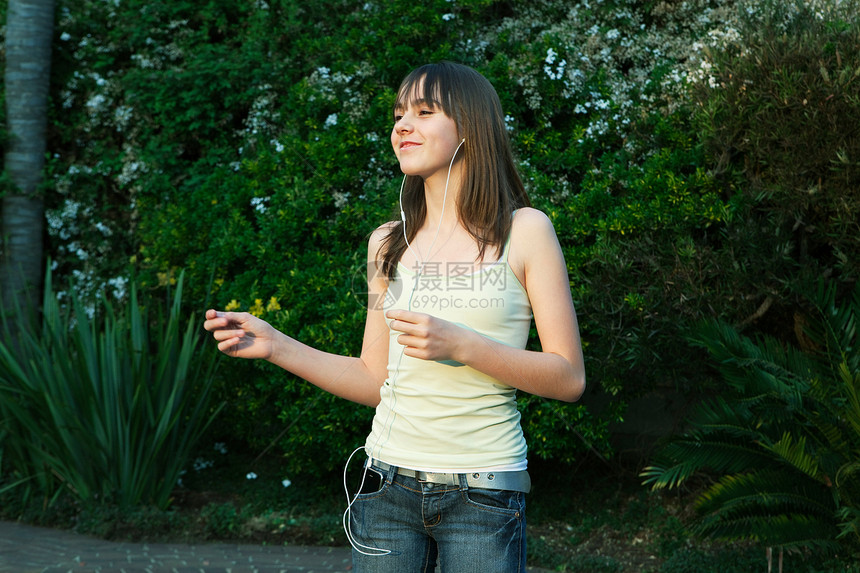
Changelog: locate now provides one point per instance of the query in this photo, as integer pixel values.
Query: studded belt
(505, 480)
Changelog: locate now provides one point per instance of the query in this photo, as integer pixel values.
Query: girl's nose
(403, 126)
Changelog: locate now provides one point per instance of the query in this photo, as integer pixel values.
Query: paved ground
(28, 549)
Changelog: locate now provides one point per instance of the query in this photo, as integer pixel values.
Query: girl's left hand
(425, 336)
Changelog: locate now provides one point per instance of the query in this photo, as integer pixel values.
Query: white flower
(260, 204)
(555, 75)
(201, 464)
(286, 483)
(251, 475)
(96, 103)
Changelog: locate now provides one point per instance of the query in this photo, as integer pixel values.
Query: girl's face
(424, 138)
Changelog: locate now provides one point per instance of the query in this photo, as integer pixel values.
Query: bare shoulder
(377, 237)
(534, 244)
(531, 225)
(382, 231)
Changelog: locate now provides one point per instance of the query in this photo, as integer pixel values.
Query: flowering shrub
(247, 142)
(784, 110)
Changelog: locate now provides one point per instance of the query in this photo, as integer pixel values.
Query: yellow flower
(257, 309)
(273, 305)
(232, 305)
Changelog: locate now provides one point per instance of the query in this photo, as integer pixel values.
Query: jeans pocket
(511, 503)
(373, 484)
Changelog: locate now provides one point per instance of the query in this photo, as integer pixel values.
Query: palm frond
(793, 451)
(784, 436)
(766, 488)
(788, 531)
(683, 457)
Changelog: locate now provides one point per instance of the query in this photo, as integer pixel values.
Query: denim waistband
(510, 481)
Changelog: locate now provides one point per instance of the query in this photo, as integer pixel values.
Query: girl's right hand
(241, 334)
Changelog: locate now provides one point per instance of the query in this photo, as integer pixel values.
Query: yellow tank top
(445, 416)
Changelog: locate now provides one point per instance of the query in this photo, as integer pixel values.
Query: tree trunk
(29, 31)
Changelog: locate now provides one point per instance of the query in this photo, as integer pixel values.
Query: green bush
(102, 404)
(782, 437)
(720, 561)
(777, 115)
(248, 143)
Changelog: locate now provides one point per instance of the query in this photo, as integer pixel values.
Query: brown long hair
(491, 187)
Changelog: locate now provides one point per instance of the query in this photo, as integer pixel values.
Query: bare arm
(555, 372)
(355, 378)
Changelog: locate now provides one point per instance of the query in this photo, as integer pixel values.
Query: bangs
(425, 85)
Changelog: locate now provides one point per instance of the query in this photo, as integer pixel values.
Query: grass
(588, 519)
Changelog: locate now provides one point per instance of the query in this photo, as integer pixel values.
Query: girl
(453, 286)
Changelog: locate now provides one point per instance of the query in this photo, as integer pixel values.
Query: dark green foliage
(782, 437)
(103, 404)
(698, 561)
(247, 142)
(782, 130)
(261, 165)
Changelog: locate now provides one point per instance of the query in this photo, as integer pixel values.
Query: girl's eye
(423, 112)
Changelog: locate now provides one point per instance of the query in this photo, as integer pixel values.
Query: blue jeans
(464, 530)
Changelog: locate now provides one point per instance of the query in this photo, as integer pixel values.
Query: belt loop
(389, 477)
(390, 472)
(464, 482)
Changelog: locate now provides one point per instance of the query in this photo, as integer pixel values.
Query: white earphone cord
(441, 215)
(346, 522)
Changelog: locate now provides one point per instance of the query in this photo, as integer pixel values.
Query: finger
(409, 328)
(224, 335)
(228, 315)
(411, 341)
(415, 353)
(404, 315)
(212, 314)
(214, 324)
(229, 345)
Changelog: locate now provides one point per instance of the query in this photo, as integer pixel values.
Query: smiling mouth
(408, 145)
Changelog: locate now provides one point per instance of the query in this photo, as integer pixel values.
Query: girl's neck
(442, 193)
